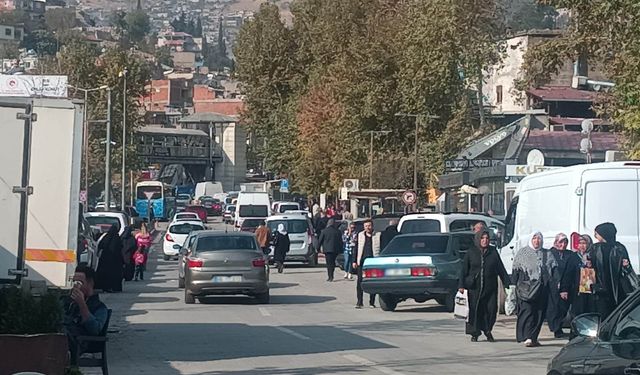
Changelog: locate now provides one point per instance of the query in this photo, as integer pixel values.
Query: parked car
(301, 236)
(87, 251)
(182, 201)
(282, 207)
(229, 212)
(185, 216)
(226, 263)
(184, 251)
(250, 224)
(419, 266)
(201, 211)
(212, 205)
(104, 220)
(609, 346)
(176, 234)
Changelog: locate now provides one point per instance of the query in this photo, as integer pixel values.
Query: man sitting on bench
(85, 314)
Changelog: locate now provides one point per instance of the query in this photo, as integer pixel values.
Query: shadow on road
(275, 300)
(281, 285)
(296, 371)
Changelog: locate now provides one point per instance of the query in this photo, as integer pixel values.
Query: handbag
(528, 290)
(461, 308)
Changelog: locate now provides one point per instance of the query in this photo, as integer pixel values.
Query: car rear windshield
(288, 207)
(190, 215)
(256, 211)
(184, 197)
(292, 226)
(231, 208)
(217, 243)
(413, 245)
(420, 226)
(184, 228)
(103, 221)
(251, 223)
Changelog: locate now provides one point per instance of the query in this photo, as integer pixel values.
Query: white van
(253, 205)
(447, 222)
(282, 207)
(209, 188)
(300, 232)
(574, 200)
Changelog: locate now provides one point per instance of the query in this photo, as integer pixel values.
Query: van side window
(510, 221)
(462, 225)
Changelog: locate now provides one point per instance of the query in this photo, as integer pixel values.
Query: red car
(199, 210)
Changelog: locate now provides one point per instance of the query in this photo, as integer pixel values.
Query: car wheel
(448, 301)
(263, 298)
(387, 302)
(180, 282)
(166, 257)
(189, 298)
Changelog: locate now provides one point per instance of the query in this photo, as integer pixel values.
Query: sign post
(409, 197)
(284, 186)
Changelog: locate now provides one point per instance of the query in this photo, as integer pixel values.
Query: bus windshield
(155, 190)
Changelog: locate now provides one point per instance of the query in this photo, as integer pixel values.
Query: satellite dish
(535, 157)
(587, 125)
(585, 145)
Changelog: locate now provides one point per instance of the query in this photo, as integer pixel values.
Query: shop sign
(466, 164)
(526, 170)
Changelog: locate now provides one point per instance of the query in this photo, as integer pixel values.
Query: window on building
(7, 32)
(18, 34)
(499, 94)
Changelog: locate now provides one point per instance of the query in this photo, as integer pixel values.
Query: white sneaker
(350, 276)
(346, 275)
(528, 343)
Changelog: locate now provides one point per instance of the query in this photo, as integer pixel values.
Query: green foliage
(138, 25)
(22, 313)
(42, 41)
(346, 67)
(609, 34)
(163, 55)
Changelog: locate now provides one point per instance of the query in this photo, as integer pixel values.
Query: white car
(300, 232)
(185, 216)
(104, 220)
(176, 234)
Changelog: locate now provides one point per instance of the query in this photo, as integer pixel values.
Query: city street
(310, 327)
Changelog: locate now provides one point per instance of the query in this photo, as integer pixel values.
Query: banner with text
(32, 85)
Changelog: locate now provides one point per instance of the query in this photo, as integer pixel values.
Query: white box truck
(40, 149)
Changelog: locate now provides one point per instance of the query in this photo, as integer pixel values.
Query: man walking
(331, 244)
(368, 247)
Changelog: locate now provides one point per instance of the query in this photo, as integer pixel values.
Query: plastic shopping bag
(510, 301)
(461, 309)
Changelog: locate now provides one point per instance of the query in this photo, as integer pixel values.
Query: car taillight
(85, 244)
(259, 262)
(194, 262)
(168, 237)
(422, 271)
(373, 273)
(575, 240)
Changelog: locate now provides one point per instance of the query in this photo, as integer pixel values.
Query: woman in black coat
(281, 247)
(128, 248)
(109, 272)
(480, 271)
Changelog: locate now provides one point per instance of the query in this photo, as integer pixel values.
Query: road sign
(284, 186)
(149, 194)
(83, 196)
(409, 197)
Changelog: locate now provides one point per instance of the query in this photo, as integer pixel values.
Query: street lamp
(372, 133)
(419, 118)
(85, 136)
(123, 74)
(107, 167)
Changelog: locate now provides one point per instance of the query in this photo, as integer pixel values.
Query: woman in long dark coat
(564, 289)
(481, 268)
(128, 248)
(534, 269)
(281, 245)
(615, 278)
(109, 272)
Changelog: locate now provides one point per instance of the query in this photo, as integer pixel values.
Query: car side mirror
(586, 325)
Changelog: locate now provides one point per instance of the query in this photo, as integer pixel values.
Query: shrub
(23, 313)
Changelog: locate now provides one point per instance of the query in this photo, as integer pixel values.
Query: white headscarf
(536, 234)
(532, 261)
(281, 229)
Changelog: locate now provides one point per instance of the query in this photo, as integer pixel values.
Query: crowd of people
(549, 284)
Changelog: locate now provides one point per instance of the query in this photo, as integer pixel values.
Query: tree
(179, 24)
(522, 15)
(163, 56)
(42, 42)
(608, 34)
(138, 25)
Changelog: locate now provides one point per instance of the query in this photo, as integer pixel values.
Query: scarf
(533, 261)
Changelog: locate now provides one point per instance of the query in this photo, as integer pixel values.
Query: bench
(94, 345)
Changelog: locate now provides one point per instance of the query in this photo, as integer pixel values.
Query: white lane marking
(292, 333)
(263, 311)
(365, 362)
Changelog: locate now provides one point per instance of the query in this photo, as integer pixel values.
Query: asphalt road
(310, 327)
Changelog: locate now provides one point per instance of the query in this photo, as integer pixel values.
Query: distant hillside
(254, 5)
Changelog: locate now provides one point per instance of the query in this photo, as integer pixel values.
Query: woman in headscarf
(563, 289)
(109, 272)
(480, 271)
(534, 269)
(582, 302)
(281, 246)
(129, 247)
(615, 277)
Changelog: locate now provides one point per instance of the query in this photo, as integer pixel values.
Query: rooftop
(207, 118)
(563, 141)
(150, 129)
(562, 94)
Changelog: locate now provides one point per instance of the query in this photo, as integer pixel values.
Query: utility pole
(419, 120)
(372, 133)
(124, 139)
(107, 166)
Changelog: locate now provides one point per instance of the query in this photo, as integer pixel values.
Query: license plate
(227, 279)
(398, 272)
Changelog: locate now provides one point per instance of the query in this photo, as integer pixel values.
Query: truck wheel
(189, 298)
(502, 297)
(387, 302)
(180, 282)
(263, 298)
